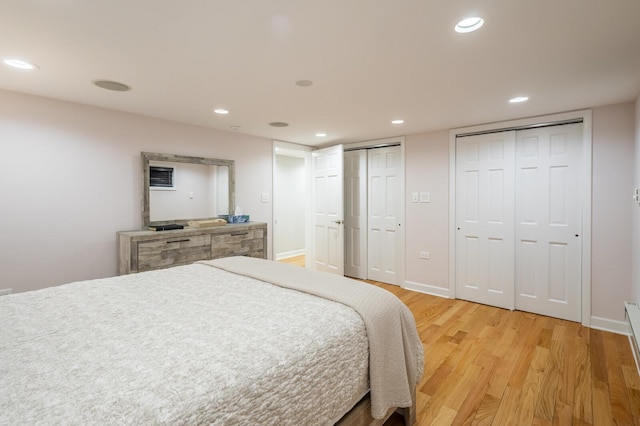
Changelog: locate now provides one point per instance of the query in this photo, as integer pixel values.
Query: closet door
(385, 214)
(355, 215)
(548, 226)
(485, 218)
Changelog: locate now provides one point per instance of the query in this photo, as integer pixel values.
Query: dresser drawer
(238, 243)
(147, 250)
(167, 252)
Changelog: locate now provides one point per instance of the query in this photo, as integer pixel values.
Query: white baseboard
(598, 323)
(288, 254)
(614, 326)
(428, 289)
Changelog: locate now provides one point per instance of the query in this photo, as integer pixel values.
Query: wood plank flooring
(490, 366)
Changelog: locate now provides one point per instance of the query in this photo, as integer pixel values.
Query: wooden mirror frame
(152, 156)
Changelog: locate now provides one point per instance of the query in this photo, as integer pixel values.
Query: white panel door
(355, 219)
(485, 218)
(327, 210)
(548, 226)
(384, 214)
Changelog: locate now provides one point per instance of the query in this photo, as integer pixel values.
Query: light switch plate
(425, 197)
(265, 197)
(414, 197)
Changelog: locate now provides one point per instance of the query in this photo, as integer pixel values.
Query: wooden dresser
(140, 251)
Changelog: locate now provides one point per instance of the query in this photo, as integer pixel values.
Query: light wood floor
(490, 366)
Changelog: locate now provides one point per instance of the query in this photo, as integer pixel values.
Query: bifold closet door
(485, 218)
(548, 226)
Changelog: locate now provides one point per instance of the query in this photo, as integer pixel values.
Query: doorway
(290, 206)
(374, 213)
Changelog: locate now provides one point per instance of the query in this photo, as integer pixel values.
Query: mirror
(178, 188)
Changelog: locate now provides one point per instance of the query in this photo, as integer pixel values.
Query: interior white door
(548, 225)
(355, 216)
(485, 218)
(384, 214)
(328, 210)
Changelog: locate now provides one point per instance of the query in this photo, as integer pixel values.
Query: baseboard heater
(632, 312)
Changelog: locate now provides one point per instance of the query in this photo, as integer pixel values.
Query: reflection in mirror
(187, 191)
(180, 188)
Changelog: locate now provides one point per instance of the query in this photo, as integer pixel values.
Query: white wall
(71, 179)
(290, 206)
(611, 262)
(427, 224)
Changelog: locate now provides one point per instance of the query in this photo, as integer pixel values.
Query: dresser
(140, 251)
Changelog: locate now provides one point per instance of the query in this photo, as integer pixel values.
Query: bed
(229, 341)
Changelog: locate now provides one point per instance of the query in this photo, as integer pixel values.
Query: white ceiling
(371, 61)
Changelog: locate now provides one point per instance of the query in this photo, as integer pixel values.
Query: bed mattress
(187, 345)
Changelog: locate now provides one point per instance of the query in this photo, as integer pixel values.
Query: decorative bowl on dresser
(140, 251)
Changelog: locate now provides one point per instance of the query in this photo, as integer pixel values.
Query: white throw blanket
(396, 357)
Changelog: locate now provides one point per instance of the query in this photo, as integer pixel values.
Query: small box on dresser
(140, 251)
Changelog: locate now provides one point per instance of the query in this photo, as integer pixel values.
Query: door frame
(585, 191)
(379, 143)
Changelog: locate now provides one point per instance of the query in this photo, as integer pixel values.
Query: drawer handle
(178, 241)
(236, 234)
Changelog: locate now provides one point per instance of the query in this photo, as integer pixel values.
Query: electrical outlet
(6, 291)
(425, 255)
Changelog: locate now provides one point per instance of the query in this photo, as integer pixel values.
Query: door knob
(339, 222)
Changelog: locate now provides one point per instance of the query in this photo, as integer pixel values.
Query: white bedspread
(187, 345)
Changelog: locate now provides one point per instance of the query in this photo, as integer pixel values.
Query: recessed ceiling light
(397, 122)
(278, 124)
(221, 111)
(519, 99)
(20, 64)
(469, 24)
(321, 135)
(112, 85)
(304, 83)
